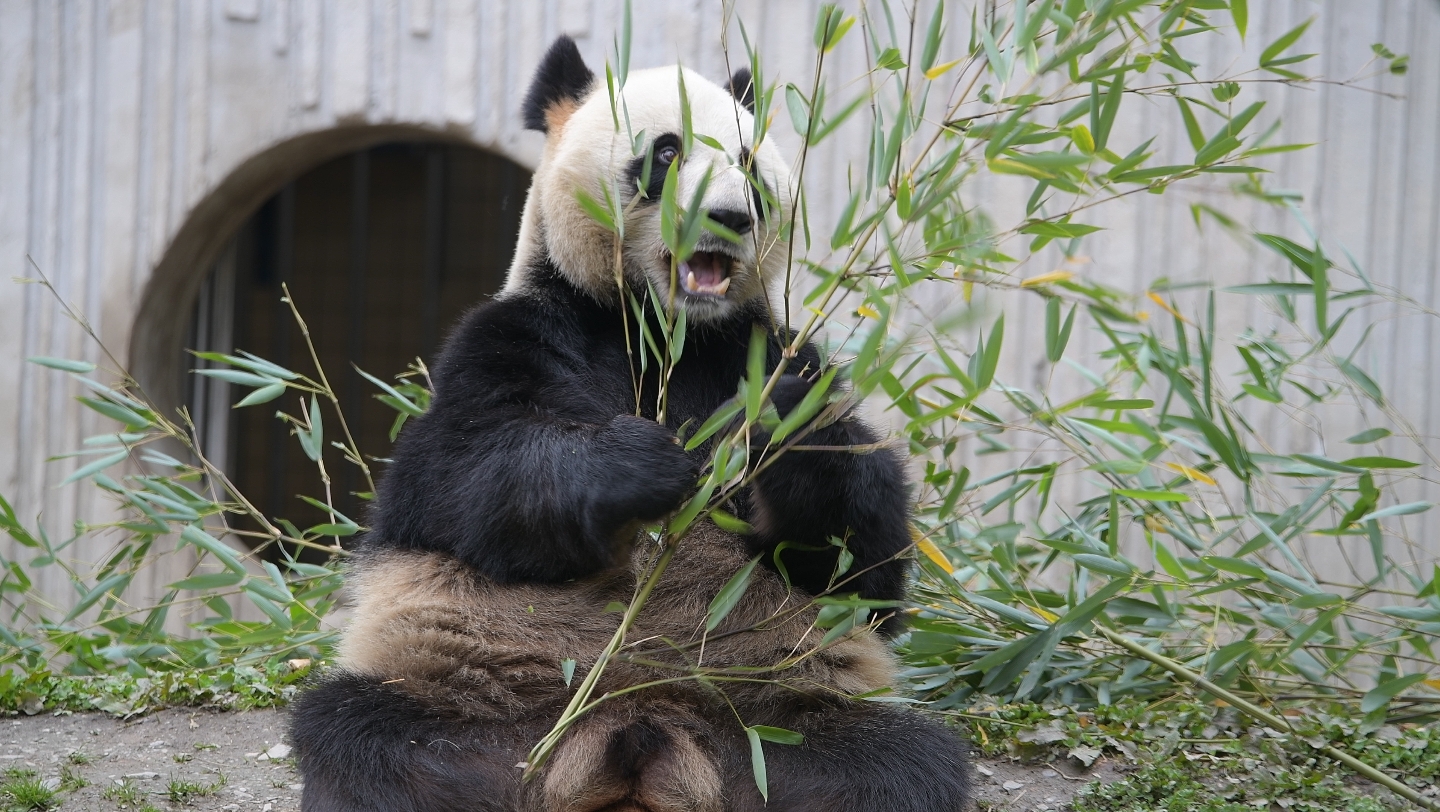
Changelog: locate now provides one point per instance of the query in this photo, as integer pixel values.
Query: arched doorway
(382, 250)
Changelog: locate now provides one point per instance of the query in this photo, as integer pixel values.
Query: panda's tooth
(690, 283)
(722, 287)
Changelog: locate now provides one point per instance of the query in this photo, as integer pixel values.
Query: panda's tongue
(705, 272)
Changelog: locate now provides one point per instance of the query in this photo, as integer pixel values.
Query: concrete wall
(135, 136)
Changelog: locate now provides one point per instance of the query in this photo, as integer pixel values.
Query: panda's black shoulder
(510, 337)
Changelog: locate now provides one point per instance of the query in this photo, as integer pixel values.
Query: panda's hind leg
(364, 746)
(856, 757)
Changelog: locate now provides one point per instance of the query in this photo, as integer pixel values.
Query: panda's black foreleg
(366, 747)
(856, 757)
(566, 490)
(839, 485)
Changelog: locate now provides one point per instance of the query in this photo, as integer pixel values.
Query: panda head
(584, 151)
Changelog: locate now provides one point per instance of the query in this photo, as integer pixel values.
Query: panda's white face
(584, 151)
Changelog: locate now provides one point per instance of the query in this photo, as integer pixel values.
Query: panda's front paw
(643, 471)
(788, 392)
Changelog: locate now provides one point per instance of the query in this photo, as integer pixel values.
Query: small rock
(251, 755)
(278, 751)
(296, 787)
(144, 775)
(1050, 773)
(1011, 786)
(51, 784)
(983, 770)
(159, 743)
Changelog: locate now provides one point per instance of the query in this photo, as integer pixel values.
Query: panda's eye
(667, 154)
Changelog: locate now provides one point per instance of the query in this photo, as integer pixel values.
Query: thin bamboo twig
(579, 703)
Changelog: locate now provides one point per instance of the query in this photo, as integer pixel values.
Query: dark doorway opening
(382, 250)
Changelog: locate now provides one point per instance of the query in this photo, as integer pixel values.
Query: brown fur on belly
(433, 622)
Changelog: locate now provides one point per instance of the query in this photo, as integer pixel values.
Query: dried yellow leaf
(939, 70)
(935, 555)
(1190, 473)
(968, 290)
(1047, 278)
(867, 311)
(1155, 297)
(1048, 615)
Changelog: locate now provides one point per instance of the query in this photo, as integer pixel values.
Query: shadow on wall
(383, 247)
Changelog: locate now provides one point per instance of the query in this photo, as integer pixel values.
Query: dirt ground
(239, 761)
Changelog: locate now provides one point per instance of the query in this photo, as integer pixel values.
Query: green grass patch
(125, 793)
(183, 792)
(23, 790)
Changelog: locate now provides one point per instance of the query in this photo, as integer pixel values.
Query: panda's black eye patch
(646, 173)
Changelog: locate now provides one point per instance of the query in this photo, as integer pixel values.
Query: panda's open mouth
(706, 273)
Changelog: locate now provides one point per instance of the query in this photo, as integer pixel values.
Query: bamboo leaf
(778, 735)
(757, 763)
(264, 394)
(1380, 696)
(1368, 436)
(718, 420)
(109, 585)
(1154, 496)
(1102, 564)
(62, 364)
(1274, 49)
(209, 581)
(95, 467)
(194, 535)
(1397, 510)
(729, 595)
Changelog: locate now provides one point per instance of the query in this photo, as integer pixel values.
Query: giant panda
(511, 516)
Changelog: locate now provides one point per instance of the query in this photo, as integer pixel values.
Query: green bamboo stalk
(1257, 712)
(580, 702)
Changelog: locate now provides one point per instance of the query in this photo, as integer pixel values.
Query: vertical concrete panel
(161, 77)
(280, 25)
(349, 38)
(461, 40)
(18, 102)
(385, 58)
(310, 39)
(122, 74)
(198, 50)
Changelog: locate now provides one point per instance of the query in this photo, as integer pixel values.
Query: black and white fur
(509, 520)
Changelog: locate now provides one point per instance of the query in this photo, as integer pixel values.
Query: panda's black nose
(737, 221)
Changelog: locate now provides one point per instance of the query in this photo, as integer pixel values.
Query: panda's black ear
(560, 84)
(742, 87)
